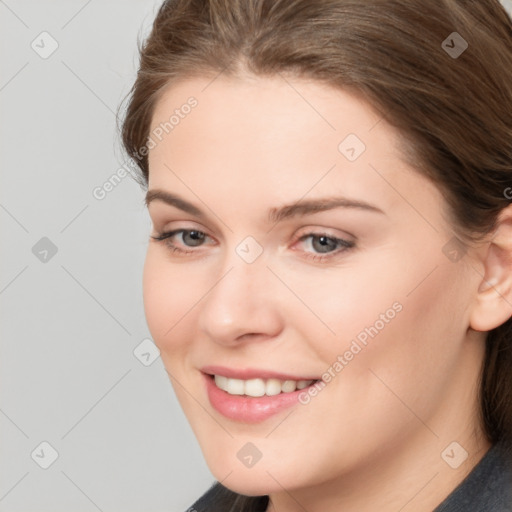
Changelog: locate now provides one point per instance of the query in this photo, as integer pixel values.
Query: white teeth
(255, 387)
(259, 387)
(273, 387)
(288, 386)
(221, 381)
(235, 386)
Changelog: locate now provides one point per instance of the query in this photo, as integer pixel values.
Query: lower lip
(247, 409)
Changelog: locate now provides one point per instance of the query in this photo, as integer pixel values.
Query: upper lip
(251, 373)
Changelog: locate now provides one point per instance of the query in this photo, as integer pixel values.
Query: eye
(189, 238)
(322, 245)
(318, 246)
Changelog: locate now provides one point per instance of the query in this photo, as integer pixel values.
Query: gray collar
(488, 488)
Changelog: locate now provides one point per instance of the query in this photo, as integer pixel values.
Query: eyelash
(317, 257)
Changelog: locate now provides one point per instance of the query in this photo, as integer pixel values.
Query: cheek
(168, 298)
(334, 306)
(415, 355)
(394, 317)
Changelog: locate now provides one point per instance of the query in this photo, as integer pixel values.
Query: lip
(251, 373)
(247, 409)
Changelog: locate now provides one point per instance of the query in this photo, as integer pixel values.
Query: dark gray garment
(488, 488)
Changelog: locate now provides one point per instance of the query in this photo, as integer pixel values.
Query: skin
(372, 439)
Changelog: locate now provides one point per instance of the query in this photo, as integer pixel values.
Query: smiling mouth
(259, 387)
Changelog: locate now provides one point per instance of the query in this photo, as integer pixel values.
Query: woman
(329, 272)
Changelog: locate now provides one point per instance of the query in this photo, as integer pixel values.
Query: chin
(249, 485)
(261, 479)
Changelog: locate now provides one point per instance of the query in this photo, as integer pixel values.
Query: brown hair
(454, 112)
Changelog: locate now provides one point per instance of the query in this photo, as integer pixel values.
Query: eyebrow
(275, 215)
(172, 200)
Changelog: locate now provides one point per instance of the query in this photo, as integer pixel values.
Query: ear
(493, 304)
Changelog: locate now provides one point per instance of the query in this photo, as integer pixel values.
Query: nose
(243, 305)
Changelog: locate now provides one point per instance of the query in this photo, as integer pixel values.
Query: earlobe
(493, 302)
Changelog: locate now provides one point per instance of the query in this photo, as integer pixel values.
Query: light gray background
(70, 324)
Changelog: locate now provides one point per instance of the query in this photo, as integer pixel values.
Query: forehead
(264, 105)
(282, 137)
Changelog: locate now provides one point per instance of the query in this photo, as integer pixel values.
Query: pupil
(325, 244)
(196, 237)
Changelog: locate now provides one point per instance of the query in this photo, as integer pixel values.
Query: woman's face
(306, 248)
